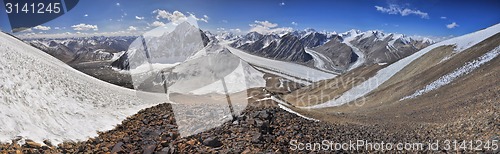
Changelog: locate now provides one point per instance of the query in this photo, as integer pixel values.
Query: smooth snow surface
(291, 78)
(117, 55)
(146, 67)
(283, 106)
(461, 43)
(450, 77)
(280, 67)
(43, 98)
(242, 78)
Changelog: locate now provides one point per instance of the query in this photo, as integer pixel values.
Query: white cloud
(40, 27)
(452, 25)
(57, 28)
(266, 27)
(84, 27)
(132, 28)
(177, 16)
(86, 15)
(266, 23)
(294, 23)
(117, 4)
(204, 18)
(157, 24)
(282, 4)
(139, 18)
(396, 9)
(443, 17)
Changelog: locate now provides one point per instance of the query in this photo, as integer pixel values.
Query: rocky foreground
(261, 128)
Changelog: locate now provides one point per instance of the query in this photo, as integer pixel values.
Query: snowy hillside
(461, 43)
(43, 98)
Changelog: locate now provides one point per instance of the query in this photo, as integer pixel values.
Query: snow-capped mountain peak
(226, 36)
(352, 32)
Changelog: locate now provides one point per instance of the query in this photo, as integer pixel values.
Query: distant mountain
(329, 51)
(289, 47)
(84, 49)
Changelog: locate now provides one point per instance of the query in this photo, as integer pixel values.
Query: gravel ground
(261, 128)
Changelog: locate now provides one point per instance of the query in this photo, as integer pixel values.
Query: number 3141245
(39, 8)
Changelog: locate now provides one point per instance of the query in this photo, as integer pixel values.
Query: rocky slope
(263, 128)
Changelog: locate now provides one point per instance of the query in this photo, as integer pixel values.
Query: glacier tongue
(43, 98)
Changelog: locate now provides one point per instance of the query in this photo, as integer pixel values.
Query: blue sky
(436, 18)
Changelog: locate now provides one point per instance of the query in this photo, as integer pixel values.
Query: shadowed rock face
(289, 47)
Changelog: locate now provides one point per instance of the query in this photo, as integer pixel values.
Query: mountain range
(84, 49)
(330, 52)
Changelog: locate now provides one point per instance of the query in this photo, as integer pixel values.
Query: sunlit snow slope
(43, 98)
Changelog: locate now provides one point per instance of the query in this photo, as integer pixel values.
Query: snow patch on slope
(242, 78)
(283, 106)
(286, 76)
(450, 77)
